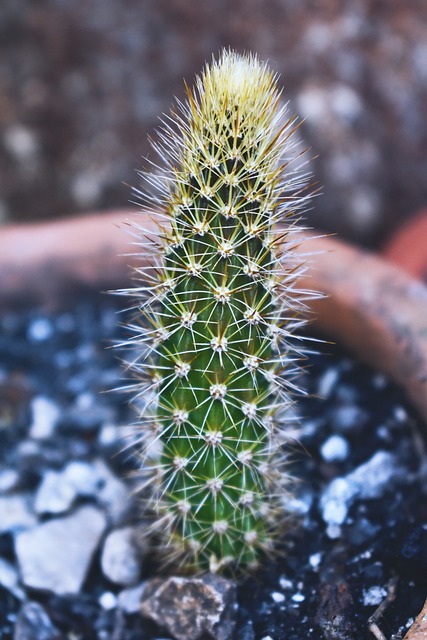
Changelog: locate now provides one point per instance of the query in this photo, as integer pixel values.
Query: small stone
(56, 555)
(349, 419)
(54, 495)
(400, 414)
(9, 579)
(373, 596)
(374, 476)
(277, 596)
(21, 142)
(299, 504)
(113, 494)
(327, 382)
(314, 560)
(109, 434)
(108, 601)
(33, 623)
(45, 417)
(285, 583)
(9, 479)
(335, 500)
(333, 531)
(15, 513)
(129, 600)
(368, 481)
(83, 477)
(190, 608)
(334, 449)
(40, 330)
(120, 559)
(298, 597)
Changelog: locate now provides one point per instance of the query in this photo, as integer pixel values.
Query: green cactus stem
(216, 314)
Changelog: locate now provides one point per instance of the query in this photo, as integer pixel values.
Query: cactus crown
(218, 309)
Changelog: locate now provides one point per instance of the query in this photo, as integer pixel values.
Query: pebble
(120, 559)
(108, 601)
(327, 382)
(40, 330)
(373, 596)
(349, 419)
(84, 477)
(367, 481)
(374, 476)
(285, 583)
(9, 479)
(33, 623)
(190, 608)
(108, 434)
(335, 500)
(71, 543)
(54, 495)
(298, 597)
(9, 579)
(45, 415)
(314, 560)
(129, 600)
(15, 513)
(278, 597)
(334, 449)
(113, 494)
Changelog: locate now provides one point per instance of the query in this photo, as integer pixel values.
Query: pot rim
(368, 304)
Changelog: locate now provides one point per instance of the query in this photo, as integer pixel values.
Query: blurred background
(82, 83)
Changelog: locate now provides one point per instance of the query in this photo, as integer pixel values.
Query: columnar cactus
(218, 310)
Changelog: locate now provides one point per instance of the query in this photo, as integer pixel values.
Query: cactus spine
(220, 306)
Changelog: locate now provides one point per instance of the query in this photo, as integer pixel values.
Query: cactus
(216, 309)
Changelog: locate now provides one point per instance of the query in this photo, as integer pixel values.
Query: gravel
(71, 561)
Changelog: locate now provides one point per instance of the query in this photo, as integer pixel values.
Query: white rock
(54, 494)
(373, 596)
(285, 583)
(45, 417)
(108, 601)
(56, 555)
(298, 597)
(333, 531)
(335, 500)
(368, 481)
(129, 600)
(327, 382)
(9, 479)
(277, 596)
(374, 476)
(334, 449)
(21, 142)
(15, 513)
(120, 559)
(315, 559)
(10, 580)
(83, 477)
(113, 494)
(40, 330)
(108, 434)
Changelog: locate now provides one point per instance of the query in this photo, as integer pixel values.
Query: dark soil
(332, 578)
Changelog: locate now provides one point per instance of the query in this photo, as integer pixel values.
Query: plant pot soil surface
(346, 551)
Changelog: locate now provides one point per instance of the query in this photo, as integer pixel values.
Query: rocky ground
(72, 561)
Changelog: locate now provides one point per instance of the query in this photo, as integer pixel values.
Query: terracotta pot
(370, 306)
(408, 246)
